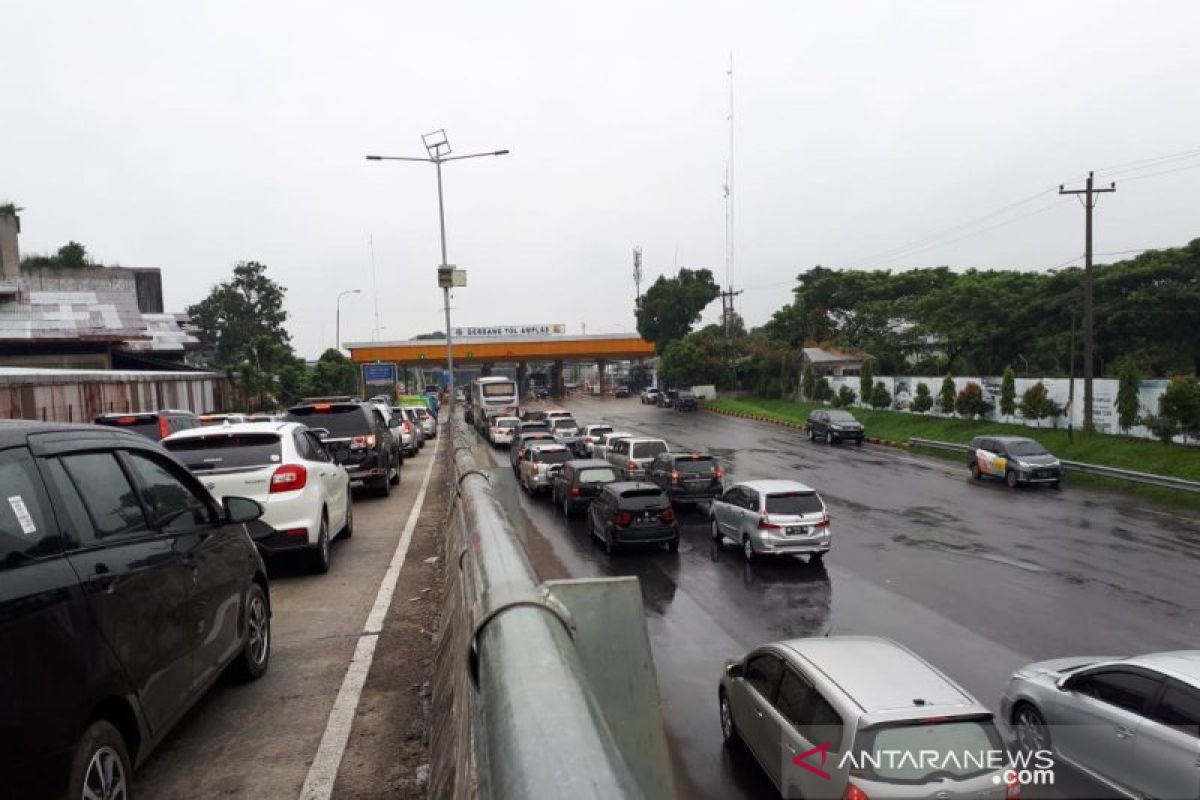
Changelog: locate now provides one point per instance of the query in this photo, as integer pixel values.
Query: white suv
(282, 465)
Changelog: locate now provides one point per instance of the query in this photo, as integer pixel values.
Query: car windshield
(597, 475)
(339, 420)
(600, 431)
(1026, 449)
(955, 749)
(506, 423)
(552, 456)
(647, 449)
(695, 465)
(793, 503)
(840, 416)
(227, 451)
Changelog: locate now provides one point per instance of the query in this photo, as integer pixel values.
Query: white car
(557, 412)
(282, 465)
(503, 430)
(592, 434)
(600, 446)
(409, 415)
(428, 421)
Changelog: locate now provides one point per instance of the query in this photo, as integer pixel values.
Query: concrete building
(831, 361)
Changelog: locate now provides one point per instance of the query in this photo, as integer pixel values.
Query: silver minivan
(861, 717)
(772, 517)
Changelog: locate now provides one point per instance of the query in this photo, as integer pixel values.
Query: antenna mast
(374, 288)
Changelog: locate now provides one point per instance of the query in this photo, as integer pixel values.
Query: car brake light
(854, 793)
(823, 523)
(674, 476)
(1012, 786)
(321, 407)
(667, 515)
(623, 518)
(574, 491)
(718, 472)
(765, 524)
(408, 428)
(363, 441)
(288, 478)
(296, 532)
(164, 429)
(634, 465)
(126, 420)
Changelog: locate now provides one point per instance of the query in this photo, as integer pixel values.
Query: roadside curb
(799, 426)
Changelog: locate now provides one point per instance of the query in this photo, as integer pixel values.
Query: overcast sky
(189, 137)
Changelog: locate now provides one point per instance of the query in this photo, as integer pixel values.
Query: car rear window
(600, 431)
(339, 420)
(564, 422)
(535, 426)
(793, 503)
(145, 424)
(597, 475)
(647, 449)
(506, 423)
(499, 389)
(963, 749)
(552, 456)
(695, 464)
(227, 451)
(642, 498)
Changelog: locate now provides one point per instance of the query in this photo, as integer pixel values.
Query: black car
(578, 482)
(686, 401)
(126, 591)
(358, 437)
(832, 425)
(686, 477)
(633, 512)
(1016, 459)
(666, 398)
(154, 425)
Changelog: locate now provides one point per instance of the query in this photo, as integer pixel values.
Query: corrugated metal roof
(92, 315)
(167, 334)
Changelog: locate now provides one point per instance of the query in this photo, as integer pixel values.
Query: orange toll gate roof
(518, 348)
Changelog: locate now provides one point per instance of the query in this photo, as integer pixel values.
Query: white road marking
(322, 774)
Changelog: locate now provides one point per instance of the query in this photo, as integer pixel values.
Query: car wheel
(828, 438)
(975, 473)
(859, 442)
(348, 527)
(610, 546)
(566, 506)
(320, 553)
(1010, 478)
(747, 548)
(252, 662)
(1030, 726)
(673, 545)
(1056, 485)
(716, 531)
(728, 730)
(384, 487)
(396, 480)
(101, 766)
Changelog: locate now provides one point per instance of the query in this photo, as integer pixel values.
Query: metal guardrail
(1146, 478)
(543, 731)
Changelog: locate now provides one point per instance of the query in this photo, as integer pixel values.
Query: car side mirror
(734, 670)
(240, 509)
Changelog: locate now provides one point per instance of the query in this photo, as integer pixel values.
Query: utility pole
(1071, 384)
(1089, 195)
(727, 321)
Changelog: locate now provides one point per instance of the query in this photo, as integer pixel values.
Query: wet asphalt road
(976, 578)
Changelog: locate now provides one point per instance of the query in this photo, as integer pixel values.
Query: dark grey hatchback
(633, 512)
(125, 592)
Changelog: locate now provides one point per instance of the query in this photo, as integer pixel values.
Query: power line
(1149, 161)
(1163, 172)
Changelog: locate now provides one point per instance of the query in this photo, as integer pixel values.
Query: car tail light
(408, 428)
(321, 407)
(288, 478)
(296, 532)
(575, 491)
(718, 472)
(854, 793)
(164, 428)
(1012, 786)
(363, 441)
(765, 524)
(623, 518)
(667, 515)
(674, 476)
(823, 523)
(634, 465)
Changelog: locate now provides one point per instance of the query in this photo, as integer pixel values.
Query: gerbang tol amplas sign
(494, 331)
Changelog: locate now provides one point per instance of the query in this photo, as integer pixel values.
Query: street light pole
(438, 147)
(339, 315)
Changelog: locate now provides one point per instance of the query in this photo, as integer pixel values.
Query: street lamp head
(374, 158)
(500, 153)
(437, 144)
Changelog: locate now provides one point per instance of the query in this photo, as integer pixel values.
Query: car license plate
(646, 519)
(799, 530)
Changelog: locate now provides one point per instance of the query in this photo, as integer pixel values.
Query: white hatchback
(283, 465)
(502, 430)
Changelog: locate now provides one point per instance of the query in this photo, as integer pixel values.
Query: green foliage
(1128, 403)
(1008, 392)
(1180, 404)
(421, 337)
(1163, 428)
(923, 401)
(845, 397)
(671, 306)
(1035, 402)
(334, 374)
(10, 209)
(71, 255)
(866, 381)
(823, 392)
(880, 396)
(970, 403)
(808, 383)
(694, 359)
(946, 395)
(241, 322)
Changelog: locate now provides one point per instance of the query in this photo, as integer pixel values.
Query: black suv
(831, 425)
(686, 477)
(126, 591)
(633, 512)
(154, 425)
(358, 437)
(1016, 459)
(578, 482)
(686, 401)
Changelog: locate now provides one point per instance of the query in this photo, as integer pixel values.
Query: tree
(808, 383)
(946, 395)
(1034, 402)
(880, 397)
(690, 361)
(1180, 404)
(671, 306)
(421, 337)
(824, 392)
(970, 403)
(1008, 392)
(241, 322)
(1164, 429)
(923, 400)
(1128, 386)
(334, 374)
(845, 397)
(866, 382)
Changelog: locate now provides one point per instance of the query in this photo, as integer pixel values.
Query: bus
(493, 397)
